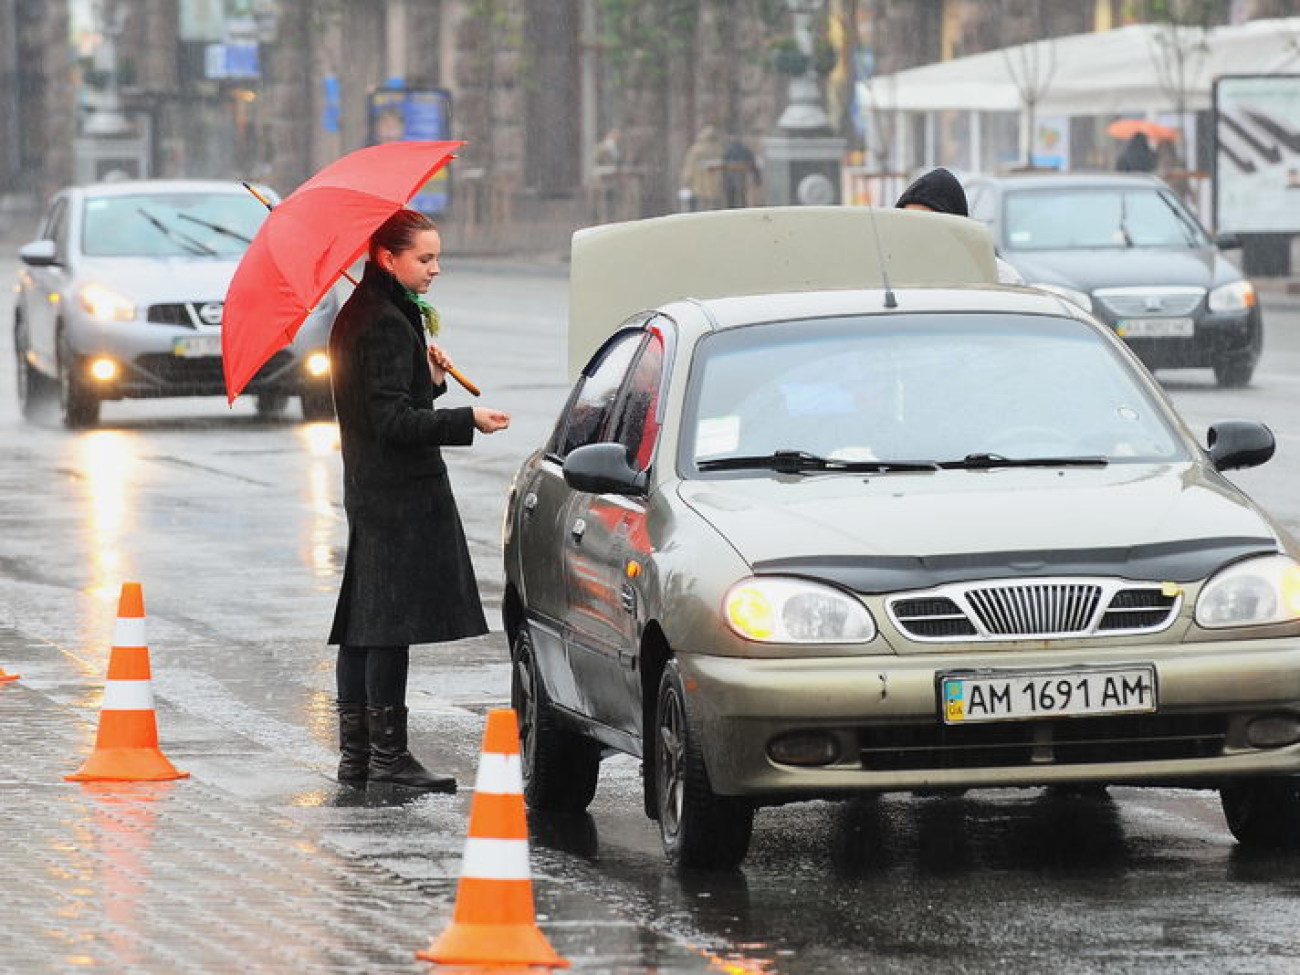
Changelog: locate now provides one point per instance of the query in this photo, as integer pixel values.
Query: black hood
(939, 190)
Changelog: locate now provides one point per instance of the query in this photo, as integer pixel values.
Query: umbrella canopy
(308, 240)
(1126, 128)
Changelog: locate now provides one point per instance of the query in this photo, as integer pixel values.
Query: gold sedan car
(812, 525)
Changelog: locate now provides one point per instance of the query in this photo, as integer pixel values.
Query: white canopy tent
(1102, 73)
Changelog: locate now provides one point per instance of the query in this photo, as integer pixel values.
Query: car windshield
(1061, 219)
(198, 224)
(954, 390)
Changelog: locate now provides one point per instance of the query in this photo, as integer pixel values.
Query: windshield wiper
(802, 462)
(216, 228)
(1123, 219)
(985, 461)
(185, 240)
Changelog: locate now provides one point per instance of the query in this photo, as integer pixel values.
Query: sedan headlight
(1251, 593)
(1080, 298)
(105, 304)
(776, 610)
(1236, 296)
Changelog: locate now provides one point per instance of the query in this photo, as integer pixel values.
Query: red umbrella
(1126, 128)
(308, 240)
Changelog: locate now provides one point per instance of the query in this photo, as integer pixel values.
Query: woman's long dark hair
(397, 233)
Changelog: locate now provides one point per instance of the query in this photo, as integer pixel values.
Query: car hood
(162, 280)
(1114, 268)
(1132, 520)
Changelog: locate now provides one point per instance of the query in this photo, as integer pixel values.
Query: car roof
(617, 270)
(133, 187)
(751, 309)
(1073, 180)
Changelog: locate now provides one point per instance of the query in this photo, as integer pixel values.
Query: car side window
(982, 203)
(636, 421)
(589, 408)
(56, 227)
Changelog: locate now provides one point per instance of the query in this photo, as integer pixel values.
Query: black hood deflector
(1184, 561)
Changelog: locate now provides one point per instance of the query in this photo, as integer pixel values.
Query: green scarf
(432, 321)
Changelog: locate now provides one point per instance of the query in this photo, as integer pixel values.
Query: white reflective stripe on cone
(129, 632)
(499, 774)
(128, 695)
(495, 860)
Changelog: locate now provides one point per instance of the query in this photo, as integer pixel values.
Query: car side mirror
(1234, 444)
(1227, 242)
(603, 468)
(39, 253)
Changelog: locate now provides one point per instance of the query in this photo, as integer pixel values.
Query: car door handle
(530, 502)
(578, 529)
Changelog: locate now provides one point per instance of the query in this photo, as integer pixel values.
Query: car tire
(699, 828)
(271, 404)
(35, 389)
(1264, 814)
(1234, 372)
(317, 406)
(77, 403)
(560, 768)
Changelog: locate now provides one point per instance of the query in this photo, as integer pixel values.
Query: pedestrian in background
(939, 191)
(1138, 156)
(408, 576)
(701, 175)
(740, 174)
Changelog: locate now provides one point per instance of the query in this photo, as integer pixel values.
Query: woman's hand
(439, 363)
(490, 421)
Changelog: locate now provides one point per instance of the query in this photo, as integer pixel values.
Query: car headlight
(1236, 296)
(1251, 593)
(104, 304)
(776, 610)
(1080, 298)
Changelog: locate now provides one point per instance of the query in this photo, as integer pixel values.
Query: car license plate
(1015, 695)
(1156, 328)
(193, 346)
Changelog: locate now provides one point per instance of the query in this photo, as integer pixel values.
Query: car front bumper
(1236, 334)
(883, 715)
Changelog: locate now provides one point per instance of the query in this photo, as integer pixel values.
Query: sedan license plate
(967, 698)
(196, 346)
(1156, 328)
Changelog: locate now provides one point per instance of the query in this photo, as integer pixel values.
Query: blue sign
(415, 114)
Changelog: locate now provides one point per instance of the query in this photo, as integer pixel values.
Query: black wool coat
(408, 577)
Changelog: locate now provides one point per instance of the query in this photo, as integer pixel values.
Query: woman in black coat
(408, 577)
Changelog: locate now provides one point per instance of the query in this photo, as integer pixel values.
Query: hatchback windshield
(934, 389)
(1098, 217)
(170, 225)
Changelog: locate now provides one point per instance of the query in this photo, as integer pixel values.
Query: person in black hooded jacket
(940, 191)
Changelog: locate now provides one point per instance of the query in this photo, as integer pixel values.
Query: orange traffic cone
(4, 677)
(126, 748)
(494, 923)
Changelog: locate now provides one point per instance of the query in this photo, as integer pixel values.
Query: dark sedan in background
(1127, 249)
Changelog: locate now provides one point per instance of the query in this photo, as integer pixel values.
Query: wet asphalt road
(233, 525)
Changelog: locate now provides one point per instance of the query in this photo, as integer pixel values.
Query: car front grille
(1149, 302)
(1071, 741)
(1035, 610)
(186, 314)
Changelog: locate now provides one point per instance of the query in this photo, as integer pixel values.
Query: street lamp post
(802, 161)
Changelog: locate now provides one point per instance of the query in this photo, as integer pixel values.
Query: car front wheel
(1234, 372)
(34, 388)
(699, 828)
(317, 406)
(1264, 813)
(79, 404)
(560, 767)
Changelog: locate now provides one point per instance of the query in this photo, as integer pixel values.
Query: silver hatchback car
(122, 294)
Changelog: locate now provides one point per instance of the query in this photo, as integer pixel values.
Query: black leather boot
(354, 744)
(390, 762)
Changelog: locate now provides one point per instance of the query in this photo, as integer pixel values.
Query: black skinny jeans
(372, 675)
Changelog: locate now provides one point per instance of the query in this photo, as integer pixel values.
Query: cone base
(492, 944)
(126, 765)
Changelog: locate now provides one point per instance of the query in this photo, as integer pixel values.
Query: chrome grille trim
(1037, 609)
(1150, 302)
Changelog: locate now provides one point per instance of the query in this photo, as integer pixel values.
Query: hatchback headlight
(1080, 298)
(1251, 593)
(776, 610)
(1232, 297)
(104, 304)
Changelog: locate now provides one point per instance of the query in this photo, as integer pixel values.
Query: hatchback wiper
(185, 240)
(984, 461)
(800, 462)
(216, 228)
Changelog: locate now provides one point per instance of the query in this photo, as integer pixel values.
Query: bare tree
(1179, 43)
(1032, 67)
